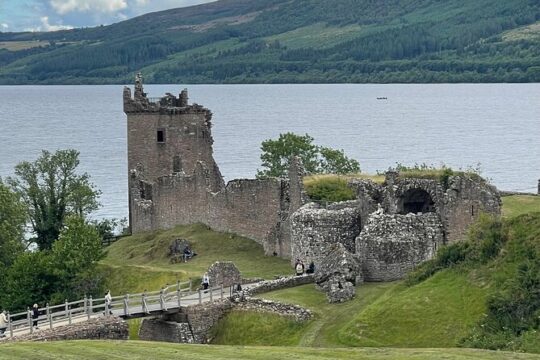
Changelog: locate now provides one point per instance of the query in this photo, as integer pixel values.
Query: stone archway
(415, 201)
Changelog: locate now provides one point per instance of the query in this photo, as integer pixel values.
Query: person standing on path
(3, 323)
(35, 316)
(299, 267)
(205, 281)
(108, 302)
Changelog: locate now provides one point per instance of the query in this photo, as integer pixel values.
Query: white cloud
(4, 26)
(63, 7)
(45, 26)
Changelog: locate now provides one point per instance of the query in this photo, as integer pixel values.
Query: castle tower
(166, 137)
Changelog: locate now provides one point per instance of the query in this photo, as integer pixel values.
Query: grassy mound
(152, 350)
(140, 262)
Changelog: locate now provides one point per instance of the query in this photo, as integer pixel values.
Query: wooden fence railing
(129, 305)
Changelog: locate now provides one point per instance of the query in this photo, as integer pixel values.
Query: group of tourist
(300, 268)
(4, 321)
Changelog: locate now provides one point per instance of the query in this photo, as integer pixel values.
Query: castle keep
(380, 236)
(174, 180)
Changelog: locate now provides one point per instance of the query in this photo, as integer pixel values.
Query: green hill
(246, 41)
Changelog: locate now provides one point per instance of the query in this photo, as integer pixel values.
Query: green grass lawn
(441, 311)
(154, 350)
(140, 262)
(520, 204)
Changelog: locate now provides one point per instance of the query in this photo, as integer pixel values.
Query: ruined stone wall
(315, 229)
(203, 317)
(295, 312)
(278, 284)
(103, 328)
(187, 140)
(168, 331)
(391, 245)
(224, 273)
(465, 200)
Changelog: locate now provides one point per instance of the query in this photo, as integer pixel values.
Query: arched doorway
(416, 201)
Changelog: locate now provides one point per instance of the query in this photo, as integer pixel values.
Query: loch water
(493, 126)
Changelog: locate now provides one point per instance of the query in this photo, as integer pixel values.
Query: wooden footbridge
(167, 300)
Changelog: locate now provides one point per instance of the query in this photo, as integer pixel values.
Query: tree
(51, 190)
(276, 155)
(12, 220)
(74, 258)
(335, 162)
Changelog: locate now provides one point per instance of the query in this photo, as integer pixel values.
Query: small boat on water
(382, 98)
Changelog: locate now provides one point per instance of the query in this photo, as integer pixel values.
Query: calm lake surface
(494, 125)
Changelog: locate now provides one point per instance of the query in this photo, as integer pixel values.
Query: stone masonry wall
(167, 331)
(224, 273)
(203, 317)
(281, 283)
(315, 229)
(103, 328)
(296, 312)
(391, 245)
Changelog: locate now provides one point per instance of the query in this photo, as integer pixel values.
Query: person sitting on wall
(188, 253)
(299, 267)
(311, 268)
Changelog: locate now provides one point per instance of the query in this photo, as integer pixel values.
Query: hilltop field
(423, 317)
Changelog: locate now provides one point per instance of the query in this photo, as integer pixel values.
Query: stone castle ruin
(380, 236)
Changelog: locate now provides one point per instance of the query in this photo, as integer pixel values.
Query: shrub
(331, 189)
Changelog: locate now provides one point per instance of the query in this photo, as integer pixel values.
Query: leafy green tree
(12, 220)
(335, 162)
(51, 189)
(276, 154)
(74, 258)
(27, 281)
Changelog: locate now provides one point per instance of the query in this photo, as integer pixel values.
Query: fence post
(49, 316)
(190, 284)
(10, 325)
(143, 301)
(106, 308)
(69, 316)
(126, 305)
(29, 317)
(85, 306)
(178, 295)
(200, 296)
(66, 308)
(90, 307)
(161, 301)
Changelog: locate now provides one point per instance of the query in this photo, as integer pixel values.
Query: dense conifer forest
(291, 41)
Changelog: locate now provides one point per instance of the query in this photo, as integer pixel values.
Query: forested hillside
(246, 41)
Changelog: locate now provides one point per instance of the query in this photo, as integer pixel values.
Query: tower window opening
(161, 135)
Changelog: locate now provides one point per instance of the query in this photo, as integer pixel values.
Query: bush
(331, 189)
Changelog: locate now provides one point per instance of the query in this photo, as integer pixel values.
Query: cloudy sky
(51, 15)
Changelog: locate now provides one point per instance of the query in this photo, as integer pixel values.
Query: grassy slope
(520, 204)
(147, 350)
(440, 310)
(140, 262)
